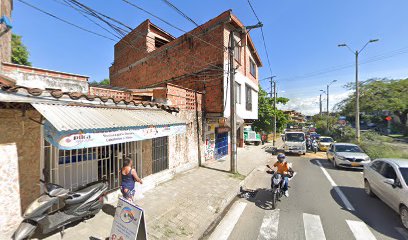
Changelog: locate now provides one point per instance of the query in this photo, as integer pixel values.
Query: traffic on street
(324, 203)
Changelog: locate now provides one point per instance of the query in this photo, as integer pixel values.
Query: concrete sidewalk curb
(228, 201)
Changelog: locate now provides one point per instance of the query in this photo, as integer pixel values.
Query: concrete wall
(26, 134)
(9, 190)
(6, 6)
(41, 78)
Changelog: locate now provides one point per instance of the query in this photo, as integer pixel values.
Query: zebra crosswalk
(312, 225)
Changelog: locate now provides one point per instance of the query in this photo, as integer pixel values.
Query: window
(252, 67)
(160, 154)
(237, 51)
(238, 93)
(404, 173)
(376, 166)
(388, 171)
(158, 42)
(248, 97)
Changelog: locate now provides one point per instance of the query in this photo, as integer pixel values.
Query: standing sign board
(129, 222)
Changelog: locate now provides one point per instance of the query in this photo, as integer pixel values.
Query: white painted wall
(241, 107)
(43, 82)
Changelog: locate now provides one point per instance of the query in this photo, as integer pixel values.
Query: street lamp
(328, 114)
(320, 101)
(356, 53)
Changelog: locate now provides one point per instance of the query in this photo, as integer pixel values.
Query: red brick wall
(185, 55)
(183, 98)
(104, 92)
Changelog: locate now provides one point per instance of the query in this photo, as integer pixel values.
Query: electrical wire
(180, 12)
(65, 21)
(263, 38)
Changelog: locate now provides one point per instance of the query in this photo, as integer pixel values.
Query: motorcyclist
(285, 170)
(315, 146)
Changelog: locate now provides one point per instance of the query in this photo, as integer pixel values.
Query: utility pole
(233, 105)
(357, 101)
(274, 115)
(233, 112)
(328, 112)
(320, 104)
(356, 53)
(273, 91)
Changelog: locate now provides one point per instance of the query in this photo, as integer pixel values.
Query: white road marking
(336, 188)
(360, 230)
(313, 227)
(403, 232)
(227, 224)
(269, 227)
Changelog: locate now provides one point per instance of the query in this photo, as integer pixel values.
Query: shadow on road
(261, 197)
(372, 211)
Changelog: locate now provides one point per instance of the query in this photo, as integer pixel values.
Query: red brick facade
(195, 60)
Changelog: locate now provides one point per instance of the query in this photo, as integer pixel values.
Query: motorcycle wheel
(274, 200)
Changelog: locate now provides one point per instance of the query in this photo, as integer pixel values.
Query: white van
(295, 142)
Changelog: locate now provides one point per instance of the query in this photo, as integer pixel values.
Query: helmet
(281, 157)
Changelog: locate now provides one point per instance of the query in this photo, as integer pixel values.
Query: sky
(301, 39)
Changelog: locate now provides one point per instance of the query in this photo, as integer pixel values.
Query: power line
(180, 12)
(65, 21)
(263, 38)
(172, 25)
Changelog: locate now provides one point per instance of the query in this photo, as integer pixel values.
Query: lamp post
(328, 114)
(320, 101)
(273, 88)
(356, 53)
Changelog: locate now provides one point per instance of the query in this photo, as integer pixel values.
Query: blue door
(221, 145)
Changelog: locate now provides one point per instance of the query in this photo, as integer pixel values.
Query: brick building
(150, 57)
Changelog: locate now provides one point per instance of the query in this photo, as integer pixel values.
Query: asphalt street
(324, 203)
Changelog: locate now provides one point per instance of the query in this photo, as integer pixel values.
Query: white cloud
(310, 105)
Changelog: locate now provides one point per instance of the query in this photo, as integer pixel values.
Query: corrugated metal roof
(65, 117)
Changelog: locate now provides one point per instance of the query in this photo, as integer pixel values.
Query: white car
(347, 155)
(388, 180)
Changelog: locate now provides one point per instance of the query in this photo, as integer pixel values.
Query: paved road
(324, 203)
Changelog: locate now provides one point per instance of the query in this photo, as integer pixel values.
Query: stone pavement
(184, 207)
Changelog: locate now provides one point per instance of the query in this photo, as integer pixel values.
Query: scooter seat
(82, 194)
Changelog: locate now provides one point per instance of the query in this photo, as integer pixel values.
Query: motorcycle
(276, 186)
(315, 146)
(76, 206)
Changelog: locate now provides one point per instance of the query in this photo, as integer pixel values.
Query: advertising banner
(128, 223)
(68, 140)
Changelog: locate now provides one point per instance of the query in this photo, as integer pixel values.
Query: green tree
(378, 95)
(19, 52)
(266, 113)
(105, 81)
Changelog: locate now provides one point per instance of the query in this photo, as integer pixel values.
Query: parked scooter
(77, 205)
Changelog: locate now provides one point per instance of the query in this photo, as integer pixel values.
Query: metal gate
(160, 154)
(221, 145)
(75, 168)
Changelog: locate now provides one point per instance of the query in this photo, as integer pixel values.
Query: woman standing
(129, 177)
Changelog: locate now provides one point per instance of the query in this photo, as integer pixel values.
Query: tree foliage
(19, 52)
(378, 95)
(105, 81)
(266, 113)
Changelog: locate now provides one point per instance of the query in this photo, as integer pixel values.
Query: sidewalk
(185, 206)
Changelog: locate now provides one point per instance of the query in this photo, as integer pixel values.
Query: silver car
(347, 155)
(387, 179)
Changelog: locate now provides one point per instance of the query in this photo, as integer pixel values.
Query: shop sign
(129, 222)
(220, 130)
(67, 140)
